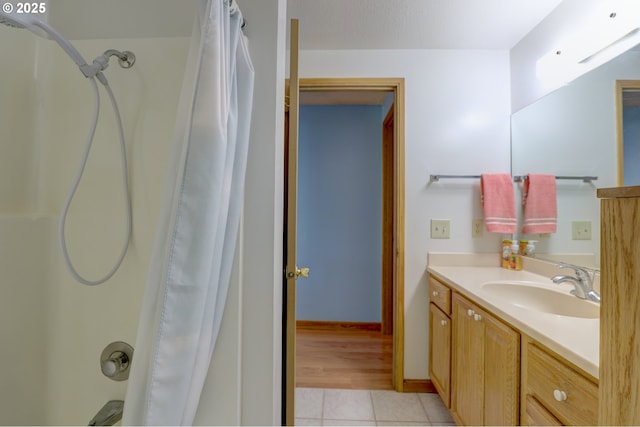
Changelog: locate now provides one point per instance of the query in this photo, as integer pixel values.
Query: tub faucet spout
(110, 414)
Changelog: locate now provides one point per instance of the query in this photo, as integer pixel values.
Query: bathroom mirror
(573, 132)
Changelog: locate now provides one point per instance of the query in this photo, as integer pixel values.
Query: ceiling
(416, 24)
(325, 24)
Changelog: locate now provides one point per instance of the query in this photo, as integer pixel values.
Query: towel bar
(519, 178)
(516, 178)
(436, 178)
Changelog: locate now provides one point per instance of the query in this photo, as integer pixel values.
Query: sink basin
(528, 296)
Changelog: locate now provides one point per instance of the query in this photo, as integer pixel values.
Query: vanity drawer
(570, 396)
(537, 415)
(440, 295)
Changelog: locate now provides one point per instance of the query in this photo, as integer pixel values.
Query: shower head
(28, 22)
(8, 20)
(44, 30)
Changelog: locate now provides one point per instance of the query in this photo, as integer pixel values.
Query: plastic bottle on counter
(506, 254)
(515, 261)
(530, 250)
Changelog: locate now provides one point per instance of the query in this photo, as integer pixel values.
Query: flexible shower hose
(78, 177)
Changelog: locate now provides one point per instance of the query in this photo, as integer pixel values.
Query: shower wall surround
(53, 315)
(24, 243)
(17, 93)
(24, 265)
(59, 327)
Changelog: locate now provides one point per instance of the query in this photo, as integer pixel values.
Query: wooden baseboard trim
(418, 386)
(337, 326)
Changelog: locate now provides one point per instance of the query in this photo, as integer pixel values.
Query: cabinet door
(440, 352)
(501, 372)
(468, 364)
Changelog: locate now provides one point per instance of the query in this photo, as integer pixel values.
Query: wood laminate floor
(343, 359)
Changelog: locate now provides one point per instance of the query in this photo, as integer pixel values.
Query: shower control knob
(115, 360)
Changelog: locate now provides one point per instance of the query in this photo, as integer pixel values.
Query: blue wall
(340, 212)
(631, 133)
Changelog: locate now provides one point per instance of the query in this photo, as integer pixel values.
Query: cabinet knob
(470, 312)
(559, 395)
(434, 293)
(443, 322)
(477, 317)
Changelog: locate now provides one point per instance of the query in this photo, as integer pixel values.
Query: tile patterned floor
(340, 407)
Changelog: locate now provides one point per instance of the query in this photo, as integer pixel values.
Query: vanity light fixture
(556, 67)
(609, 37)
(607, 34)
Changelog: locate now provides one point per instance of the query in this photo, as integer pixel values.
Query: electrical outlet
(581, 230)
(476, 228)
(440, 228)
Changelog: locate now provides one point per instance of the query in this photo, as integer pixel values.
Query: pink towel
(498, 203)
(539, 204)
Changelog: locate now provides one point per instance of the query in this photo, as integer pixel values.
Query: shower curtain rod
(233, 7)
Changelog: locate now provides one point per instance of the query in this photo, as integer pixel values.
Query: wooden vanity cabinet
(487, 373)
(619, 311)
(537, 415)
(440, 339)
(555, 392)
(486, 367)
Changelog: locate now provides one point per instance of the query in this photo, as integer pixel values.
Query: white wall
(263, 213)
(457, 122)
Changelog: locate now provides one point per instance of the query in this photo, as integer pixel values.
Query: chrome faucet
(110, 414)
(583, 285)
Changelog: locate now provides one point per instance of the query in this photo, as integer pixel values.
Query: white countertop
(575, 339)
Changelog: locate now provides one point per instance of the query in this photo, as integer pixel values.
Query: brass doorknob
(302, 272)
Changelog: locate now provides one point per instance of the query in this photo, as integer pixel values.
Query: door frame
(621, 85)
(395, 86)
(388, 205)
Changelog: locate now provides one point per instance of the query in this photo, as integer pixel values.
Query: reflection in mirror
(628, 110)
(573, 132)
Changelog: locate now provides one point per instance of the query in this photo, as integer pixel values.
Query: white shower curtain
(193, 254)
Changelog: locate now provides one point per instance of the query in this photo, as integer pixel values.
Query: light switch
(581, 230)
(440, 228)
